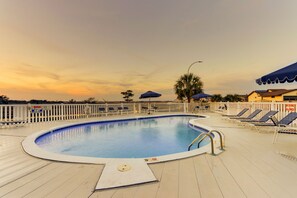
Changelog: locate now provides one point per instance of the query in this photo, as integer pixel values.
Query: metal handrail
(198, 138)
(221, 138)
(195, 140)
(198, 145)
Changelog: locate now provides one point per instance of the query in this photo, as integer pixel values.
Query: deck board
(169, 180)
(85, 174)
(251, 166)
(244, 180)
(207, 183)
(39, 182)
(42, 172)
(150, 189)
(85, 186)
(225, 180)
(188, 185)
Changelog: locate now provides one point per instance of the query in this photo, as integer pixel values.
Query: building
(276, 95)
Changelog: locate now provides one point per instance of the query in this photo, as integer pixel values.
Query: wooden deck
(251, 166)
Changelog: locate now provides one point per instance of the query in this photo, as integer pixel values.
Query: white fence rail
(31, 113)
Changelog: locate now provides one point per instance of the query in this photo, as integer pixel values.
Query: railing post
(106, 109)
(252, 106)
(122, 105)
(186, 107)
(62, 111)
(29, 112)
(134, 108)
(272, 106)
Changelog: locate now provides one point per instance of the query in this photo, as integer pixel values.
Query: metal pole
(193, 64)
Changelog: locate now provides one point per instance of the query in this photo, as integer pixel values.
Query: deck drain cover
(288, 156)
(124, 167)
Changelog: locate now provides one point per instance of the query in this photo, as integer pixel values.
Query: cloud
(28, 70)
(34, 38)
(96, 82)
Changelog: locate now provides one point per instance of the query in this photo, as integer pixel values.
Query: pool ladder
(202, 136)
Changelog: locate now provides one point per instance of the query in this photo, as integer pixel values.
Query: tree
(232, 98)
(216, 98)
(187, 86)
(35, 101)
(4, 99)
(90, 100)
(71, 101)
(127, 95)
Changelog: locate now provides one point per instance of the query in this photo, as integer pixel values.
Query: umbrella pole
(148, 106)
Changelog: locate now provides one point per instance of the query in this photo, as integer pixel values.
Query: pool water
(141, 138)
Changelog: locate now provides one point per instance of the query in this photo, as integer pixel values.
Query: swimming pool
(130, 138)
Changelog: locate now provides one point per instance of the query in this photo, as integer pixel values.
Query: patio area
(251, 166)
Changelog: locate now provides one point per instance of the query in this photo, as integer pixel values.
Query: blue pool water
(123, 139)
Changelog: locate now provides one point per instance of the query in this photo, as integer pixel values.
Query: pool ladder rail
(202, 136)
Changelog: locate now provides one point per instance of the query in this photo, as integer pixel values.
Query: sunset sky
(59, 50)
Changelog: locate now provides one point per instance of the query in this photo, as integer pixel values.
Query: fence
(32, 113)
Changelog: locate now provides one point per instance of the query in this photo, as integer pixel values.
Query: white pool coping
(110, 176)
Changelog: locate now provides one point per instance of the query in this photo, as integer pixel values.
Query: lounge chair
(250, 117)
(154, 108)
(284, 130)
(144, 109)
(282, 127)
(285, 121)
(238, 115)
(102, 110)
(196, 108)
(126, 109)
(4, 124)
(111, 109)
(263, 119)
(221, 108)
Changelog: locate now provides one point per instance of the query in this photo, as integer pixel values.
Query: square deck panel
(124, 172)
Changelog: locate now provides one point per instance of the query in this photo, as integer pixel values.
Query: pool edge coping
(31, 148)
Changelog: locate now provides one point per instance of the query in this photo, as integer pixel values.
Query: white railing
(32, 113)
(283, 108)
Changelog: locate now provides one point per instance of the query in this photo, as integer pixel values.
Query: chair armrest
(282, 125)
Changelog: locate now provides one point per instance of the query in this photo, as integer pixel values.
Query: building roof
(258, 92)
(275, 93)
(272, 92)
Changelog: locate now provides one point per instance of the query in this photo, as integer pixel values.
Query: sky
(76, 49)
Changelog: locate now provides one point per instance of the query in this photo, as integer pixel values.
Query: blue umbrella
(201, 95)
(286, 74)
(149, 94)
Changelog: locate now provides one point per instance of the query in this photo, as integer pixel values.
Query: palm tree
(187, 86)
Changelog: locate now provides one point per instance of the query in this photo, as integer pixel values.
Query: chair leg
(257, 129)
(275, 135)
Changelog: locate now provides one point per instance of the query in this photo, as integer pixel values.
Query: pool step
(124, 172)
